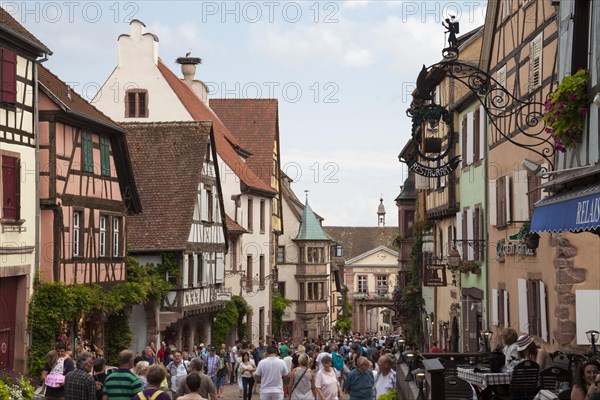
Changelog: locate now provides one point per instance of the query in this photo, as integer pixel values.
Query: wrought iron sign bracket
(522, 116)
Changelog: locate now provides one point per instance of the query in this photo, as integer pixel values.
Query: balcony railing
(194, 298)
(372, 296)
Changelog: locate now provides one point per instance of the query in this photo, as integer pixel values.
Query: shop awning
(573, 211)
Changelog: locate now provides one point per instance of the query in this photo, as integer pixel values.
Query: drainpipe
(36, 259)
(487, 216)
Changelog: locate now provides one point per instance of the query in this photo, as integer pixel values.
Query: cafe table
(483, 379)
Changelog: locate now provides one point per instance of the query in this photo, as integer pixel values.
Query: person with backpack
(222, 373)
(156, 374)
(175, 369)
(213, 362)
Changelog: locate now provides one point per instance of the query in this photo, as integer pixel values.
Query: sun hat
(523, 342)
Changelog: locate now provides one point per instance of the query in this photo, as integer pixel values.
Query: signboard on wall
(434, 275)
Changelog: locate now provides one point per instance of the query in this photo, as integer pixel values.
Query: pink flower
(583, 111)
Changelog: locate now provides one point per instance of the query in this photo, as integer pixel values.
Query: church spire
(310, 228)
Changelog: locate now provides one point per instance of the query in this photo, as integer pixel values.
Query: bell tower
(381, 213)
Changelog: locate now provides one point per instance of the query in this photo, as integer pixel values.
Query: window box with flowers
(531, 240)
(466, 267)
(566, 109)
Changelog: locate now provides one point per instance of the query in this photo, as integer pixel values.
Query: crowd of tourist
(313, 370)
(357, 368)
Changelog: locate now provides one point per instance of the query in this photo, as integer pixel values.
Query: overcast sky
(342, 72)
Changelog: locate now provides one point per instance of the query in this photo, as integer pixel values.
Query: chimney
(188, 69)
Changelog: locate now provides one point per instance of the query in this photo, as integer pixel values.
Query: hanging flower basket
(529, 239)
(566, 110)
(466, 267)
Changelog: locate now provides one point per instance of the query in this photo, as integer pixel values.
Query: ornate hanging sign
(434, 172)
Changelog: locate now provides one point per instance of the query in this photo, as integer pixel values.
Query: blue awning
(574, 211)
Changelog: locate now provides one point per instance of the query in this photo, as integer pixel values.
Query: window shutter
(213, 194)
(482, 131)
(186, 269)
(535, 62)
(459, 232)
(565, 39)
(506, 309)
(9, 76)
(105, 155)
(470, 132)
(492, 202)
(523, 310)
(220, 272)
(495, 307)
(205, 263)
(543, 315)
(507, 197)
(521, 197)
(195, 268)
(464, 140)
(88, 161)
(467, 246)
(476, 135)
(204, 205)
(10, 187)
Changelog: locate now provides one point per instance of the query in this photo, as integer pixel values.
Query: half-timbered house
(519, 51)
(183, 219)
(20, 53)
(574, 201)
(159, 95)
(87, 188)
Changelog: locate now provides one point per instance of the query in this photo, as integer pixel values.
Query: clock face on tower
(382, 256)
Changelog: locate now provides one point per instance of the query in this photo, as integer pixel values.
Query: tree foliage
(54, 304)
(278, 306)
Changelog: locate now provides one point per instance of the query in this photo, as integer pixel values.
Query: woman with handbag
(58, 365)
(302, 381)
(246, 372)
(326, 382)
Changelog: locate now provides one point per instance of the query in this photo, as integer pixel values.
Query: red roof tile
(225, 141)
(8, 23)
(233, 227)
(70, 100)
(166, 157)
(256, 124)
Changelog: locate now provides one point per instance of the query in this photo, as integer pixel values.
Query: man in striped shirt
(122, 384)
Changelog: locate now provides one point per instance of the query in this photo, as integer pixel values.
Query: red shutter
(476, 136)
(10, 188)
(9, 76)
(464, 141)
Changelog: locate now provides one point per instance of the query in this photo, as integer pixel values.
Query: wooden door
(8, 308)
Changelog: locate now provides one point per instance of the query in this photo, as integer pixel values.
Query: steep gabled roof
(69, 101)
(255, 122)
(225, 142)
(10, 26)
(294, 202)
(77, 111)
(356, 240)
(167, 160)
(310, 228)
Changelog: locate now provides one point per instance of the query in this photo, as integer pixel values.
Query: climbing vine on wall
(54, 304)
(411, 303)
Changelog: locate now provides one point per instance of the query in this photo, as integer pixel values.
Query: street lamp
(453, 257)
(401, 344)
(592, 336)
(409, 356)
(487, 339)
(420, 375)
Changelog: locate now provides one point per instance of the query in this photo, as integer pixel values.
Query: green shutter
(88, 160)
(104, 156)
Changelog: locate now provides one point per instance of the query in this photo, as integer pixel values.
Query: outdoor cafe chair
(457, 389)
(523, 382)
(552, 377)
(449, 367)
(561, 360)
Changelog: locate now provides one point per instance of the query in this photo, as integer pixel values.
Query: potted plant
(566, 109)
(529, 239)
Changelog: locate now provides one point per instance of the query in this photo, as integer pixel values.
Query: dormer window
(136, 103)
